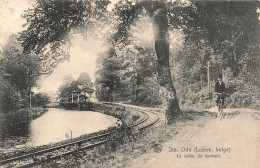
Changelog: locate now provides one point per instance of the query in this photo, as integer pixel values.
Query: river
(59, 124)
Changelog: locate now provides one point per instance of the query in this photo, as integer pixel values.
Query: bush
(36, 111)
(40, 100)
(144, 98)
(243, 99)
(12, 122)
(9, 99)
(197, 100)
(103, 94)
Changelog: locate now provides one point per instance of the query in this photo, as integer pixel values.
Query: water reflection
(58, 124)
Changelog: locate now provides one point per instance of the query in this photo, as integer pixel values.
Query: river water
(59, 124)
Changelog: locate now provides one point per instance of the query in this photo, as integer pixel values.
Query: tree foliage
(50, 25)
(73, 89)
(109, 75)
(40, 100)
(222, 33)
(19, 73)
(231, 29)
(20, 69)
(225, 34)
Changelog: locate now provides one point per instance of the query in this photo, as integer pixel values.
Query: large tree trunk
(161, 36)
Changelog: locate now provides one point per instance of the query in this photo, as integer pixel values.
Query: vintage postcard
(130, 83)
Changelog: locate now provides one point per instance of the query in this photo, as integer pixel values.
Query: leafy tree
(139, 64)
(40, 100)
(51, 24)
(67, 92)
(9, 99)
(158, 11)
(85, 83)
(20, 71)
(53, 20)
(81, 87)
(109, 76)
(206, 24)
(231, 28)
(218, 32)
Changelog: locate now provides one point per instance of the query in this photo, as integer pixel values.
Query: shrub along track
(42, 156)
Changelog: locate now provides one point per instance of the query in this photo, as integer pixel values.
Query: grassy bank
(201, 99)
(36, 112)
(126, 115)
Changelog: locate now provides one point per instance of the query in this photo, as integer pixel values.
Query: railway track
(35, 158)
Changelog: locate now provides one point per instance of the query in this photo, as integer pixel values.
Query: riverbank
(15, 124)
(36, 112)
(123, 151)
(126, 116)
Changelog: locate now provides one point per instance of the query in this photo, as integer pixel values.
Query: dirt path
(231, 142)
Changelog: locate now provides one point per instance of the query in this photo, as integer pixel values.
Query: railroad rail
(35, 158)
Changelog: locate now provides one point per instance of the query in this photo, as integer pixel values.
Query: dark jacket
(220, 88)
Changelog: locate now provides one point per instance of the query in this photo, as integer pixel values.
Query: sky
(83, 57)
(10, 18)
(83, 54)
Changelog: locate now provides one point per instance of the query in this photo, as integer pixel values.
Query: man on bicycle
(220, 89)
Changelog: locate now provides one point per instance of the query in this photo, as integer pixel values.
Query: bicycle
(220, 104)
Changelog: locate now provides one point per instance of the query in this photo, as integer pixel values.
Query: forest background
(220, 36)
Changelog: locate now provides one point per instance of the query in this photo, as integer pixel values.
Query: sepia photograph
(130, 83)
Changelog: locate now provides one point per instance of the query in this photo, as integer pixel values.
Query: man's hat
(220, 76)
